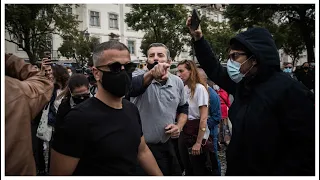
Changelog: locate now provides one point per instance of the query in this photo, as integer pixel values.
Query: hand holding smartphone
(190, 150)
(195, 20)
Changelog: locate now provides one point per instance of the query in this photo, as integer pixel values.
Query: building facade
(106, 22)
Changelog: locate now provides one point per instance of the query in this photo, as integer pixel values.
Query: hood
(260, 42)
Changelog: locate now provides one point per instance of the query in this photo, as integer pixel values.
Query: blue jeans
(213, 126)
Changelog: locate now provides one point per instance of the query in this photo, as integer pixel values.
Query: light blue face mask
(233, 68)
(287, 70)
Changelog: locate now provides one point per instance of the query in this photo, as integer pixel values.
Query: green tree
(78, 46)
(218, 35)
(300, 17)
(291, 46)
(30, 26)
(162, 23)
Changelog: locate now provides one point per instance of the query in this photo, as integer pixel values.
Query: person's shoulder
(200, 86)
(176, 79)
(212, 92)
(129, 104)
(282, 83)
(84, 108)
(138, 72)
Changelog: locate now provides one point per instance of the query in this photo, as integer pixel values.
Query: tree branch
(14, 42)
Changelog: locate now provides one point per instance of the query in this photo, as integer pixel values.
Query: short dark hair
(160, 45)
(113, 44)
(77, 80)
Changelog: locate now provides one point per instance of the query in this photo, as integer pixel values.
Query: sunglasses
(235, 55)
(288, 67)
(117, 67)
(81, 96)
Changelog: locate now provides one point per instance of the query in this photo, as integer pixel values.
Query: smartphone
(190, 150)
(195, 20)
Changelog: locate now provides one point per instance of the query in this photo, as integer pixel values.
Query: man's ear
(169, 61)
(254, 61)
(96, 73)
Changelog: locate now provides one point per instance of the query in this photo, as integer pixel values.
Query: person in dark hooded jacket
(273, 116)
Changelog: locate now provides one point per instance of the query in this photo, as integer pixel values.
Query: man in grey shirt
(158, 105)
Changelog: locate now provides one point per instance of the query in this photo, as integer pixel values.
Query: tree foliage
(162, 23)
(30, 26)
(299, 20)
(218, 34)
(78, 46)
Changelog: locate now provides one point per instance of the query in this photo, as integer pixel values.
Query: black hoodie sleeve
(210, 64)
(137, 88)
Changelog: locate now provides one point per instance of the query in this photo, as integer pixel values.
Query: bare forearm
(203, 124)
(148, 163)
(182, 120)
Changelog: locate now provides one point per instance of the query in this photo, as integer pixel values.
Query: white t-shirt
(200, 98)
(57, 101)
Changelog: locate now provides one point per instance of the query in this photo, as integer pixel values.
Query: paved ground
(223, 161)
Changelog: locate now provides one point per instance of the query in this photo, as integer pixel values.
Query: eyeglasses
(288, 67)
(117, 67)
(235, 55)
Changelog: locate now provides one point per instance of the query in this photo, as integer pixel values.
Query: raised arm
(208, 61)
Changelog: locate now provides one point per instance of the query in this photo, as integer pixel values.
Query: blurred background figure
(306, 76)
(288, 68)
(75, 93)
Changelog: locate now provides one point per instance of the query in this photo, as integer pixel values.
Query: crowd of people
(119, 120)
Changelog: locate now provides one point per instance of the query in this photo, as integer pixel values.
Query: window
(94, 18)
(68, 11)
(131, 46)
(113, 21)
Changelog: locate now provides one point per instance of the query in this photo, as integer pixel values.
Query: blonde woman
(195, 145)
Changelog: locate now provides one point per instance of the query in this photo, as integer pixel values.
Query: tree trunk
(306, 35)
(309, 46)
(32, 58)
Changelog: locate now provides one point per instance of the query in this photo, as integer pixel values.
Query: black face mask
(117, 84)
(150, 66)
(77, 99)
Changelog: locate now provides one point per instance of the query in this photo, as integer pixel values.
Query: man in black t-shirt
(103, 135)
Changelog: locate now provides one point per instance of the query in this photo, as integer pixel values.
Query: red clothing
(225, 103)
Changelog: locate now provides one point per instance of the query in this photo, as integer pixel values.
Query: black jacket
(307, 78)
(273, 115)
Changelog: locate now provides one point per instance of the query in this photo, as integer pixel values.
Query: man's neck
(109, 99)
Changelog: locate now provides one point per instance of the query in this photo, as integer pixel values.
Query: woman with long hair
(195, 145)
